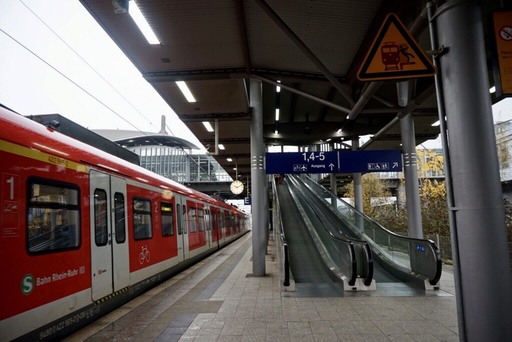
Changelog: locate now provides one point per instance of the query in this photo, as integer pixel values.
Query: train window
(53, 216)
(167, 219)
(119, 217)
(220, 220)
(192, 217)
(100, 217)
(184, 219)
(200, 218)
(207, 219)
(142, 228)
(178, 219)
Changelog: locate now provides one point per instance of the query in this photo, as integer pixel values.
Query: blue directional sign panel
(302, 162)
(344, 161)
(370, 161)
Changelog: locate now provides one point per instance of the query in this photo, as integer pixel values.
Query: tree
(432, 191)
(434, 208)
(430, 163)
(388, 215)
(373, 187)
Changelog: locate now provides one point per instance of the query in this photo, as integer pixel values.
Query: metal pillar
(358, 185)
(484, 292)
(258, 185)
(447, 171)
(333, 183)
(412, 192)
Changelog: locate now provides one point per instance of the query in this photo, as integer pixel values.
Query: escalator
(306, 265)
(400, 261)
(320, 261)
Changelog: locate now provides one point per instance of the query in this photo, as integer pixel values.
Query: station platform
(218, 299)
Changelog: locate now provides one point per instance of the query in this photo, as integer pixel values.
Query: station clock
(237, 187)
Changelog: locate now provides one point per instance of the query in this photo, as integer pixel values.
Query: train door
(181, 221)
(109, 246)
(119, 229)
(208, 226)
(215, 232)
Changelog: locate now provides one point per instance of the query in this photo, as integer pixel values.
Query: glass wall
(180, 166)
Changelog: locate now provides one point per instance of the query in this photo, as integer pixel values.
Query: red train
(83, 232)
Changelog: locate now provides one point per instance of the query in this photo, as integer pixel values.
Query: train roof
(17, 129)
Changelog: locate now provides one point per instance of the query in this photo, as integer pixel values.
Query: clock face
(237, 187)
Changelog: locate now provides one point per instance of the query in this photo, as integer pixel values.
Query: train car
(390, 55)
(83, 232)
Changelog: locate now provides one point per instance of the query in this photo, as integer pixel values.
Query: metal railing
(283, 255)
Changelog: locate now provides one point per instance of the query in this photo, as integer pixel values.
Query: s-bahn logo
(27, 284)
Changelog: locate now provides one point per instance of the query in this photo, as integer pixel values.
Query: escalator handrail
(366, 247)
(432, 245)
(369, 257)
(282, 236)
(350, 243)
(368, 217)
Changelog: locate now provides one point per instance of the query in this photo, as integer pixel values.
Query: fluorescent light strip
(186, 92)
(208, 126)
(492, 90)
(229, 159)
(221, 147)
(277, 114)
(142, 24)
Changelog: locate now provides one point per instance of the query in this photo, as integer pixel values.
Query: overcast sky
(55, 58)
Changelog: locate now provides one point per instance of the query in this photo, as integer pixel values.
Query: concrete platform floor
(219, 300)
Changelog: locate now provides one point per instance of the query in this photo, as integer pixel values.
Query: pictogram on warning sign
(394, 54)
(503, 67)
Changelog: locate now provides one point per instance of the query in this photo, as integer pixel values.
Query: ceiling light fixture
(208, 126)
(278, 88)
(142, 24)
(229, 159)
(186, 91)
(277, 114)
(435, 124)
(492, 90)
(221, 147)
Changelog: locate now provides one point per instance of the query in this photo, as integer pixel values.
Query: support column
(412, 192)
(333, 183)
(479, 232)
(358, 185)
(258, 184)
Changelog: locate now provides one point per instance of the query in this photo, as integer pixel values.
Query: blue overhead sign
(343, 161)
(370, 161)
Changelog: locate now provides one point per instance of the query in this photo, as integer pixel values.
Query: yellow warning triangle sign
(394, 54)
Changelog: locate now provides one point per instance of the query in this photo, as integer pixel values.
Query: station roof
(314, 48)
(135, 138)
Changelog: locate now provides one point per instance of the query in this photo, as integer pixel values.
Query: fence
(445, 247)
